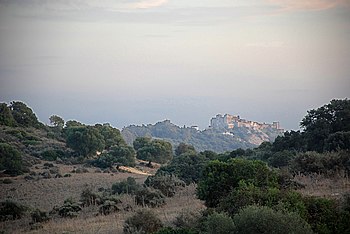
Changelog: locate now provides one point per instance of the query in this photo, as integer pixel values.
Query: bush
(10, 160)
(39, 216)
(128, 186)
(11, 210)
(187, 167)
(254, 219)
(220, 178)
(53, 154)
(218, 223)
(248, 194)
(169, 230)
(88, 198)
(322, 214)
(187, 220)
(69, 209)
(167, 184)
(149, 197)
(108, 207)
(144, 221)
(7, 181)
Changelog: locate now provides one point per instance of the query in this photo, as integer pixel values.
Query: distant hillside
(216, 138)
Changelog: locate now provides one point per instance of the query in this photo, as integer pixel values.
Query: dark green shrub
(10, 160)
(187, 220)
(167, 184)
(220, 178)
(254, 219)
(218, 223)
(39, 216)
(149, 197)
(11, 210)
(108, 207)
(69, 209)
(322, 214)
(52, 155)
(144, 221)
(248, 194)
(88, 198)
(187, 167)
(169, 230)
(128, 186)
(7, 181)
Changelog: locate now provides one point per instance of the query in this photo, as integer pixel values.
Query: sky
(143, 61)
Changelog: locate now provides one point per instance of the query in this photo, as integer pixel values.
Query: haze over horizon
(144, 61)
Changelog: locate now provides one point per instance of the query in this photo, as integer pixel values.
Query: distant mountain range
(226, 133)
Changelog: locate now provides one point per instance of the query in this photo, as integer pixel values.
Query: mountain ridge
(219, 138)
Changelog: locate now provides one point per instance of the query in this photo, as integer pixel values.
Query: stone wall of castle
(232, 121)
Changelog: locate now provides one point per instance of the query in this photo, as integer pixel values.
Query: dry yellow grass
(318, 185)
(46, 193)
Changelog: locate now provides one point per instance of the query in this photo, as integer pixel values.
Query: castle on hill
(231, 122)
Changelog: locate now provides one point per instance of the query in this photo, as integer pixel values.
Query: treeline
(69, 142)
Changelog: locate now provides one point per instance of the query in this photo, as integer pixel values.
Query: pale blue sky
(133, 62)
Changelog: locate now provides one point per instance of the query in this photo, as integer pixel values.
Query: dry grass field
(46, 193)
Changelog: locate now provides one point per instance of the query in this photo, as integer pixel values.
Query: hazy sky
(142, 61)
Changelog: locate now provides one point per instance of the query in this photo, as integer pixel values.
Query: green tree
(85, 140)
(143, 222)
(219, 223)
(320, 123)
(6, 117)
(158, 151)
(123, 155)
(10, 159)
(220, 178)
(254, 219)
(184, 148)
(23, 115)
(56, 121)
(141, 142)
(187, 167)
(111, 136)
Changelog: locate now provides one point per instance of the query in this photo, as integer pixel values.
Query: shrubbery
(10, 160)
(254, 219)
(167, 184)
(220, 178)
(144, 221)
(11, 210)
(128, 186)
(149, 197)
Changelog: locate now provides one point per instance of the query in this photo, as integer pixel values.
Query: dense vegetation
(24, 139)
(244, 190)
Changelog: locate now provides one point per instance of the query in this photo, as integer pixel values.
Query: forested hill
(218, 140)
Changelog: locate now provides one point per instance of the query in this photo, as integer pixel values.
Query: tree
(144, 221)
(6, 117)
(255, 219)
(23, 115)
(111, 136)
(56, 121)
(184, 148)
(220, 178)
(338, 141)
(10, 160)
(123, 155)
(141, 142)
(153, 150)
(187, 167)
(320, 123)
(85, 140)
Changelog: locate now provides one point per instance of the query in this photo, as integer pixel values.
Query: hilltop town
(230, 122)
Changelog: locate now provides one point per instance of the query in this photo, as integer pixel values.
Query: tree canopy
(158, 151)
